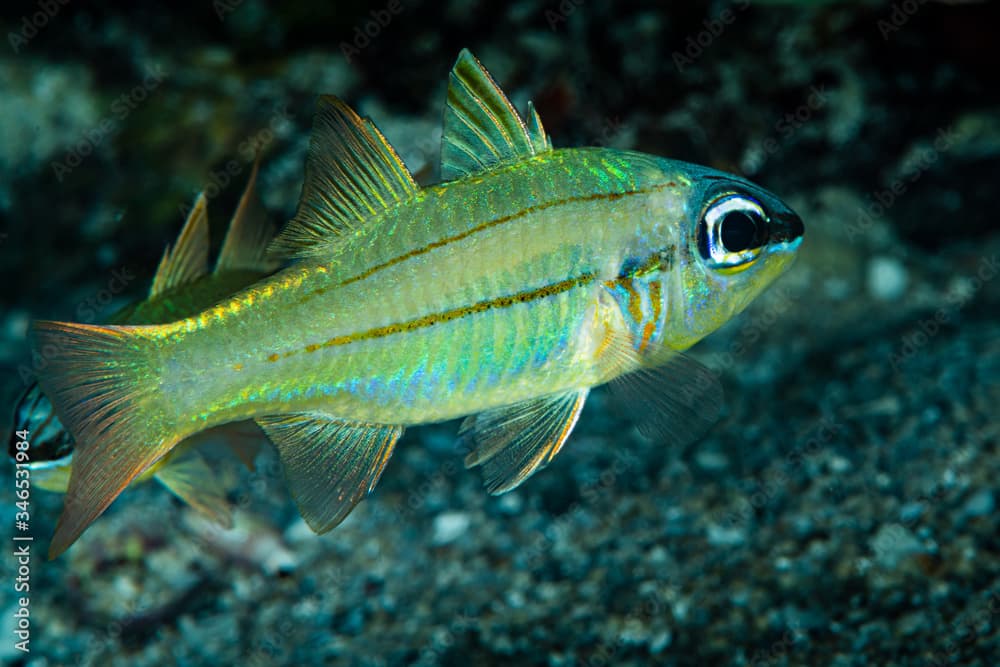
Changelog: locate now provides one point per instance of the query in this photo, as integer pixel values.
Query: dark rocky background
(842, 512)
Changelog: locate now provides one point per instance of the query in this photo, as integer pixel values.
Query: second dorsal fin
(481, 126)
(352, 173)
(187, 259)
(249, 233)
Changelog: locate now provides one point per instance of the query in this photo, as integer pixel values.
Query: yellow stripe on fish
(445, 316)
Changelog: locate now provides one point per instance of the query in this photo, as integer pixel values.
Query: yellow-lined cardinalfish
(508, 291)
(182, 286)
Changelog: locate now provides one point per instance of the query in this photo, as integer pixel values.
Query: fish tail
(105, 386)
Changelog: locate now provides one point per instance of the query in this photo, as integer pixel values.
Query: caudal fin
(105, 390)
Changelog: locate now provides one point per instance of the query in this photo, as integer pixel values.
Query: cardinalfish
(527, 277)
(182, 286)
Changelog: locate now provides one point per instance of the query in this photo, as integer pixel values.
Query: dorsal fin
(187, 259)
(250, 232)
(536, 132)
(352, 173)
(481, 126)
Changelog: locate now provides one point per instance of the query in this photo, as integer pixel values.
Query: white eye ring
(710, 231)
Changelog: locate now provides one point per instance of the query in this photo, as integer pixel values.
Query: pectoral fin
(672, 397)
(513, 442)
(330, 464)
(190, 478)
(677, 401)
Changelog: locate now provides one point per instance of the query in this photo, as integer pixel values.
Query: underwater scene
(547, 332)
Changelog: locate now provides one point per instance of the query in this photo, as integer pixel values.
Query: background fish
(182, 286)
(528, 277)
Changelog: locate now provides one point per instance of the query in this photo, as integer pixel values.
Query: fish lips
(786, 227)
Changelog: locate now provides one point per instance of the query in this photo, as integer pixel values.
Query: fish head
(50, 454)
(734, 239)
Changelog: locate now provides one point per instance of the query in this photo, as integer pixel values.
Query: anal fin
(54, 477)
(514, 442)
(245, 441)
(190, 478)
(330, 464)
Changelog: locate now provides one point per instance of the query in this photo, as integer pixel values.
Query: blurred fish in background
(182, 285)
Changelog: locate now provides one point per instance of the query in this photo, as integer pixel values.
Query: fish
(182, 286)
(503, 294)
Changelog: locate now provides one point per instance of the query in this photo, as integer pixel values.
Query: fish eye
(732, 232)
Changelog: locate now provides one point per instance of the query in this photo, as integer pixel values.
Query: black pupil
(741, 231)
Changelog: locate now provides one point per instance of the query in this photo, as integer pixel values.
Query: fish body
(508, 291)
(476, 291)
(188, 299)
(183, 286)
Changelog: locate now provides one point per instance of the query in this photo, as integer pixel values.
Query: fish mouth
(787, 228)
